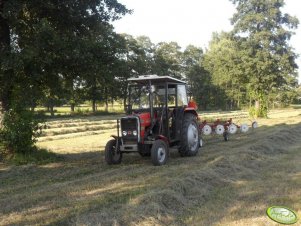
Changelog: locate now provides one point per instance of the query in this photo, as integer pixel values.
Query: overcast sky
(189, 21)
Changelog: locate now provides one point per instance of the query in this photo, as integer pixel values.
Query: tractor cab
(158, 117)
(157, 100)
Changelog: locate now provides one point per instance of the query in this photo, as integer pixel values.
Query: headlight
(124, 133)
(135, 133)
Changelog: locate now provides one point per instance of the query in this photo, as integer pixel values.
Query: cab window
(181, 95)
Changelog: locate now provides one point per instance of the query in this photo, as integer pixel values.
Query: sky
(190, 21)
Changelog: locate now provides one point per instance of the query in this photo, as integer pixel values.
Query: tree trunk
(1, 115)
(72, 98)
(106, 100)
(4, 30)
(32, 105)
(124, 103)
(205, 105)
(250, 102)
(94, 97)
(50, 106)
(6, 82)
(257, 108)
(107, 107)
(52, 110)
(257, 105)
(93, 105)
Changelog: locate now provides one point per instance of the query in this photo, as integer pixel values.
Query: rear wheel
(190, 139)
(112, 153)
(159, 153)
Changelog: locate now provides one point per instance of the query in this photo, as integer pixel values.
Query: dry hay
(85, 191)
(72, 128)
(75, 123)
(194, 187)
(76, 129)
(69, 135)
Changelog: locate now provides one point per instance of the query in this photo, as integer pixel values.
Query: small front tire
(112, 153)
(159, 153)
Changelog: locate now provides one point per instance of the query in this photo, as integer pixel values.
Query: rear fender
(192, 111)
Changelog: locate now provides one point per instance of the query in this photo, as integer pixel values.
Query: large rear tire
(190, 138)
(112, 154)
(159, 153)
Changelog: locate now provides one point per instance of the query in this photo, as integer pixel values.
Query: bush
(262, 112)
(19, 131)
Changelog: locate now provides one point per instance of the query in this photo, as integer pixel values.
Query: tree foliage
(45, 45)
(224, 62)
(263, 32)
(168, 59)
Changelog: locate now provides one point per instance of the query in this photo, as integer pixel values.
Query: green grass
(36, 156)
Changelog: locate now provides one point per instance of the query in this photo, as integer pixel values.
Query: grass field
(227, 183)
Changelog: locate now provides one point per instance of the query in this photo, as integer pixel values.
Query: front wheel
(159, 153)
(112, 153)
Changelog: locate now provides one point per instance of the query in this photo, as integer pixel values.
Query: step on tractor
(159, 116)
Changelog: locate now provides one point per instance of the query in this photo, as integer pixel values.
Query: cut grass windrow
(227, 183)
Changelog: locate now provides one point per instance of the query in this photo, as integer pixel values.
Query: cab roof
(144, 79)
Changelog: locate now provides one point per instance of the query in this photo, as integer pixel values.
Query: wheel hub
(161, 154)
(116, 153)
(193, 137)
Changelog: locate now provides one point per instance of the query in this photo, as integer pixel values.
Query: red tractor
(159, 117)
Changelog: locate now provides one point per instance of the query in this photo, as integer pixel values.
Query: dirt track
(228, 183)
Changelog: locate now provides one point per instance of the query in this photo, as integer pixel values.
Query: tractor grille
(130, 129)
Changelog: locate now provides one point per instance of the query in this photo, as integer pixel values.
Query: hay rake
(225, 128)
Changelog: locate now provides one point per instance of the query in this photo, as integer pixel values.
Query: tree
(223, 61)
(167, 59)
(136, 59)
(39, 49)
(195, 74)
(269, 61)
(298, 95)
(6, 79)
